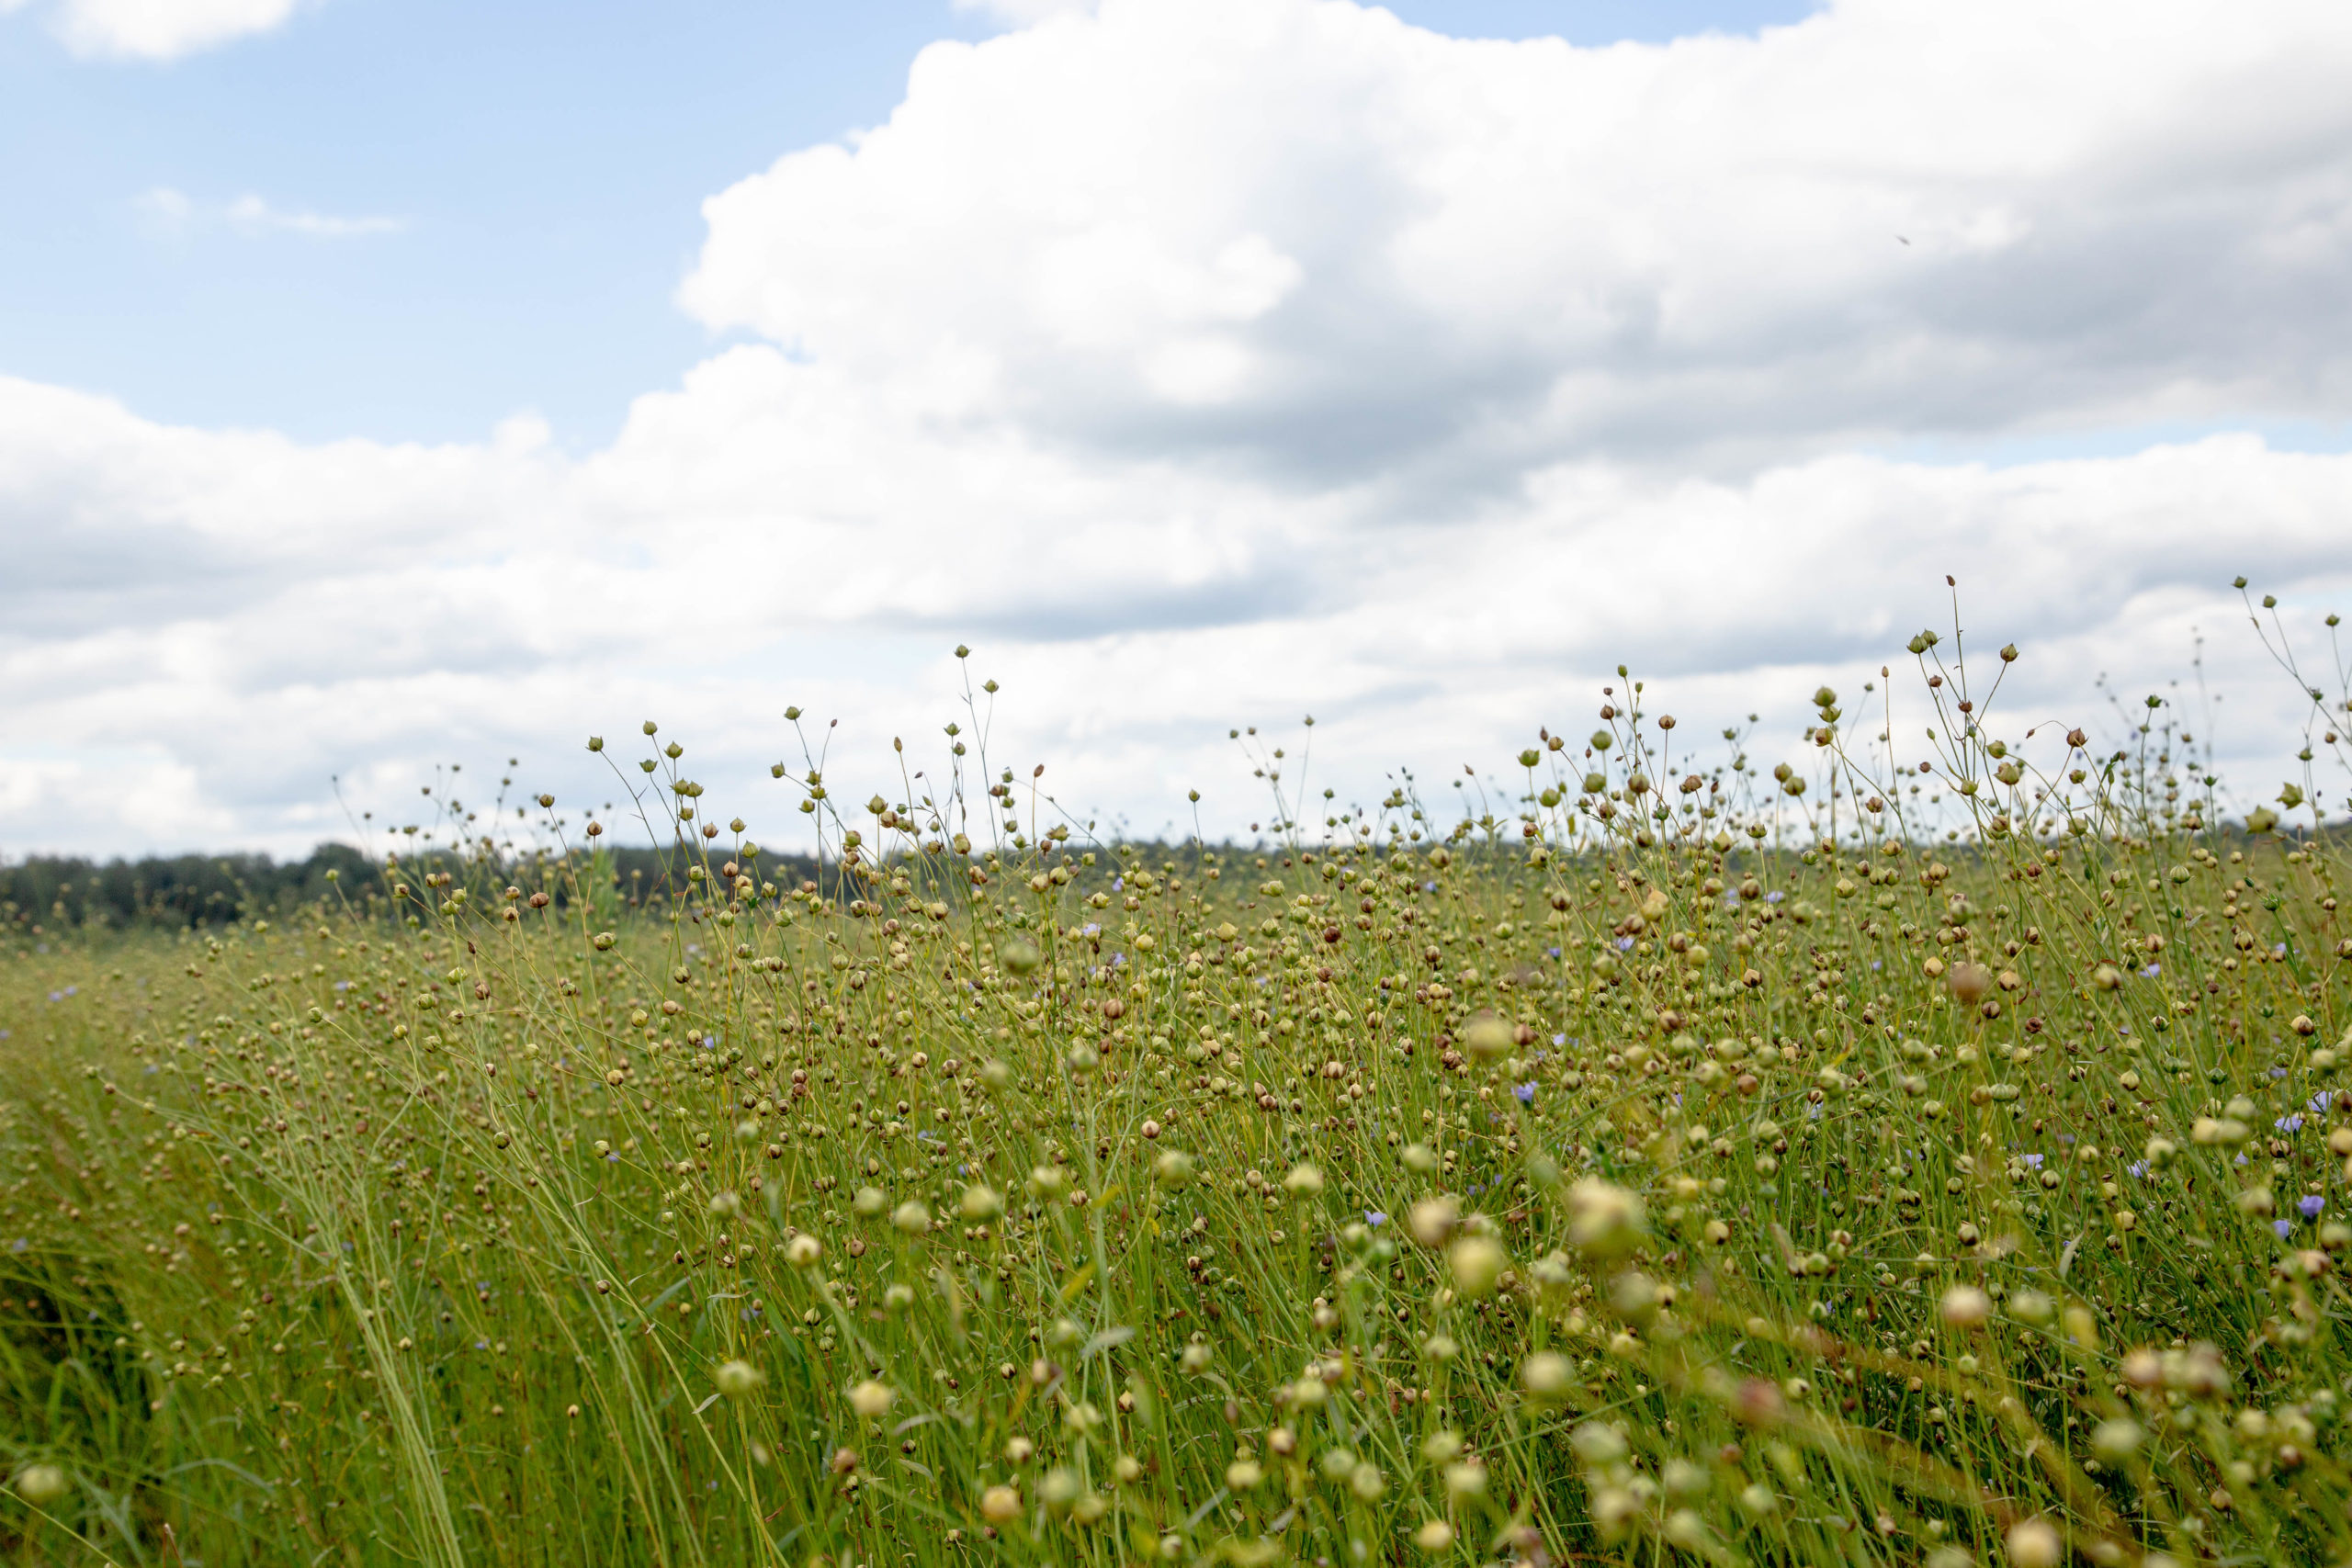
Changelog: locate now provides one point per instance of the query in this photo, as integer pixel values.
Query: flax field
(1933, 1153)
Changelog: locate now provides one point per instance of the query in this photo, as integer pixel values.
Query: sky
(408, 221)
(384, 387)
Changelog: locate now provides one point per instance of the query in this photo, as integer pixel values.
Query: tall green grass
(1663, 1161)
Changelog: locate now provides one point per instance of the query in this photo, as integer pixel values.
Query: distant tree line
(43, 893)
(174, 891)
(54, 893)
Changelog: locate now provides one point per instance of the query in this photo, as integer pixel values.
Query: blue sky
(544, 164)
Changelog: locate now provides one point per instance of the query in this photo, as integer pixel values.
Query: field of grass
(1663, 1161)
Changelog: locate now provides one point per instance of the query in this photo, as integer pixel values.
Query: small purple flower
(2138, 1168)
(2310, 1203)
(1774, 896)
(2319, 1102)
(2284, 1227)
(2152, 971)
(1559, 1040)
(2293, 1123)
(2278, 1072)
(2032, 1161)
(1624, 944)
(1552, 950)
(1374, 1217)
(1526, 1093)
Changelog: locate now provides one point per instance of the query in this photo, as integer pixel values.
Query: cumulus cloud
(158, 30)
(1314, 238)
(1206, 364)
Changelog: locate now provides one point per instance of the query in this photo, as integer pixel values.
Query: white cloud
(177, 213)
(158, 30)
(252, 213)
(222, 621)
(1214, 363)
(1490, 253)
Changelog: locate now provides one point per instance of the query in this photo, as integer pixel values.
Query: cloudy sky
(384, 385)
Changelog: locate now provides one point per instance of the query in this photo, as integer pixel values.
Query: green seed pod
(1486, 1038)
(1477, 1262)
(1547, 1375)
(737, 1380)
(1605, 1221)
